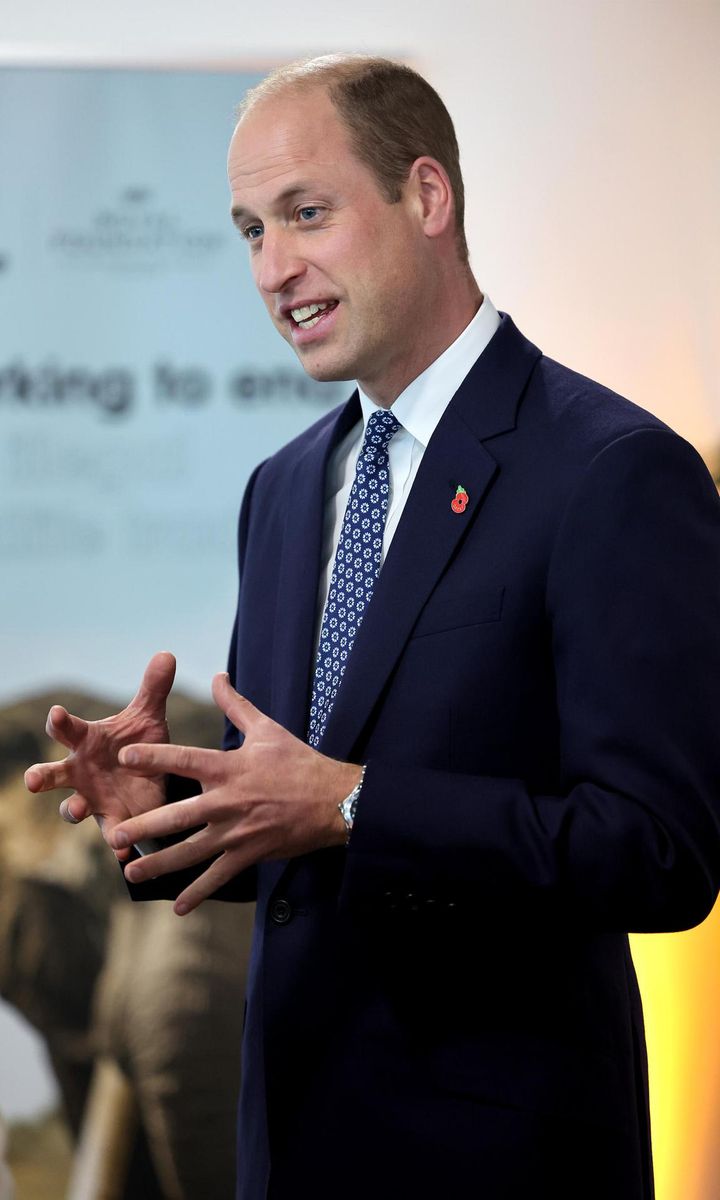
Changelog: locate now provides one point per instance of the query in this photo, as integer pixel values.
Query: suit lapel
(429, 531)
(296, 612)
(299, 571)
(427, 536)
(425, 539)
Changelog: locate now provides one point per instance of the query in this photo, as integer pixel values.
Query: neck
(448, 316)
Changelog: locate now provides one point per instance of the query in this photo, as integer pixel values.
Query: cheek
(395, 257)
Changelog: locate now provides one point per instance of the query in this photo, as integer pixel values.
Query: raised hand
(273, 798)
(102, 787)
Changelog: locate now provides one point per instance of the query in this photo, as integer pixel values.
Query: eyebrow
(240, 214)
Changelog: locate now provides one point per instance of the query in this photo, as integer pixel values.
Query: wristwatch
(348, 806)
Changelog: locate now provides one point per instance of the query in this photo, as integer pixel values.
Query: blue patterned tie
(356, 568)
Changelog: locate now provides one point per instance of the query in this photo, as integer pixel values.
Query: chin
(327, 372)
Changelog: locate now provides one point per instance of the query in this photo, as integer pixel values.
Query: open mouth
(309, 315)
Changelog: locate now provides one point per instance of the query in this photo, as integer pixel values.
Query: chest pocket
(442, 613)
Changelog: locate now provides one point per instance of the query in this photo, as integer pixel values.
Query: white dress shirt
(418, 409)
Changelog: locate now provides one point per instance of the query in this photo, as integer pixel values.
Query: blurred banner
(140, 378)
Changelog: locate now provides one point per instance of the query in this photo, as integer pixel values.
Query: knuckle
(227, 840)
(225, 806)
(184, 758)
(178, 819)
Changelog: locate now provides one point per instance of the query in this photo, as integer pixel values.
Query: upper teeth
(307, 311)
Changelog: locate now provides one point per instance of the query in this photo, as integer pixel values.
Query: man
(512, 753)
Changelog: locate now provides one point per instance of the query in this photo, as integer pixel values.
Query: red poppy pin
(459, 502)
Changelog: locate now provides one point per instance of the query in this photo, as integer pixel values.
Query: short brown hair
(392, 114)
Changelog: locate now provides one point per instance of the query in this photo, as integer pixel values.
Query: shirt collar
(421, 405)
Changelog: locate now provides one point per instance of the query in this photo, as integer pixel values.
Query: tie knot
(381, 427)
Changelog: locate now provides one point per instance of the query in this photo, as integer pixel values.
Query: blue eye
(308, 212)
(251, 233)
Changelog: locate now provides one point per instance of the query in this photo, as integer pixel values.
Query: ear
(431, 191)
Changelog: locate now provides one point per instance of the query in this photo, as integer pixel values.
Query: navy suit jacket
(448, 1008)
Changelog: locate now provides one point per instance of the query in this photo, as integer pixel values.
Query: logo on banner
(137, 233)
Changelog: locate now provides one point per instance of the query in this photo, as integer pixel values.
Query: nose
(278, 263)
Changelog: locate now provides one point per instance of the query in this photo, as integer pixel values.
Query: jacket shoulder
(581, 414)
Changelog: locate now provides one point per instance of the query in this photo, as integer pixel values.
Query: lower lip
(306, 337)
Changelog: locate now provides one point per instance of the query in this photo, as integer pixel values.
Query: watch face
(348, 806)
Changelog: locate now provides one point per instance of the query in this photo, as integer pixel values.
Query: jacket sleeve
(632, 839)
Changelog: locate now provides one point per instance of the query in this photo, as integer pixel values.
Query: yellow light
(679, 977)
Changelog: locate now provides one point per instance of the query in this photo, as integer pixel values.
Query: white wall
(589, 134)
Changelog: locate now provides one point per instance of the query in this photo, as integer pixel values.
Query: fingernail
(67, 815)
(129, 757)
(121, 841)
(181, 908)
(131, 874)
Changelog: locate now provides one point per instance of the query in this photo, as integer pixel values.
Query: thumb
(237, 708)
(75, 809)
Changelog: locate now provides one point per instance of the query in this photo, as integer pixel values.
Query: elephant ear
(56, 891)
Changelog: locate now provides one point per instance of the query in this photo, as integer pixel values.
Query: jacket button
(280, 912)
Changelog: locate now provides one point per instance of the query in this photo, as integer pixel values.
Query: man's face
(339, 268)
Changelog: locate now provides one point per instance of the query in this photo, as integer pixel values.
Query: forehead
(287, 137)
